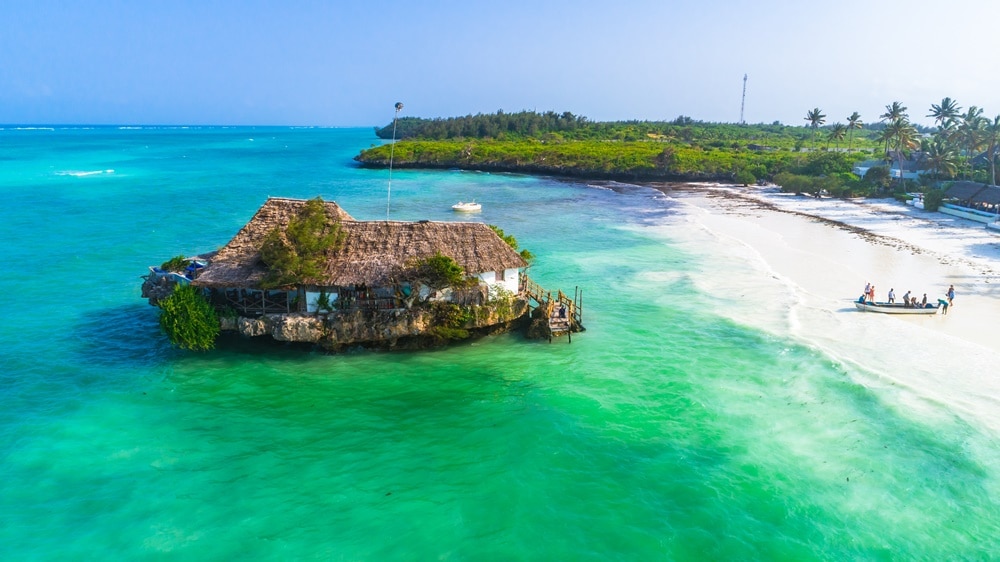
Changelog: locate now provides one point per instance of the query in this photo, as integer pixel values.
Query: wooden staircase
(565, 315)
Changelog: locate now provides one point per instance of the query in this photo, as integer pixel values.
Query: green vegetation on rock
(176, 263)
(188, 319)
(449, 319)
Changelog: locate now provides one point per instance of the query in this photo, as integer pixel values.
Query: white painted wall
(509, 280)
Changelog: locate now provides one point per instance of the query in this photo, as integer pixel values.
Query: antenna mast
(392, 149)
(743, 100)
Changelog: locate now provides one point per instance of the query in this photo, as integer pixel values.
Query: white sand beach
(793, 265)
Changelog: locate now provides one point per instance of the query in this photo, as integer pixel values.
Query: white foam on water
(83, 173)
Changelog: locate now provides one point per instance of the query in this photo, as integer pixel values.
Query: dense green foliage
(611, 159)
(449, 319)
(296, 254)
(512, 242)
(878, 176)
(933, 199)
(440, 271)
(686, 149)
(188, 319)
(176, 263)
(554, 127)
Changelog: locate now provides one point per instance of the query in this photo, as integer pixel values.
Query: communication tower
(743, 100)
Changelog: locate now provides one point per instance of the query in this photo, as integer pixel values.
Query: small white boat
(470, 207)
(897, 307)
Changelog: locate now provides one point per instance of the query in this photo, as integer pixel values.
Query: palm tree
(884, 138)
(970, 133)
(853, 122)
(837, 134)
(815, 118)
(947, 110)
(894, 112)
(894, 118)
(992, 137)
(941, 157)
(947, 129)
(905, 137)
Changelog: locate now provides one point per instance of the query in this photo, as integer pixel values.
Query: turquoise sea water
(664, 432)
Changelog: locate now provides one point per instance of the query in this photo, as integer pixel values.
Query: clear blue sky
(345, 63)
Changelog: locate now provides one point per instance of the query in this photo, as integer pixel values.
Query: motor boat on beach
(898, 307)
(467, 207)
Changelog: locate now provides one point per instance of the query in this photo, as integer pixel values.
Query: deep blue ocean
(666, 431)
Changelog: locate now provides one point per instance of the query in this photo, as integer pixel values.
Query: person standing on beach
(892, 296)
(951, 294)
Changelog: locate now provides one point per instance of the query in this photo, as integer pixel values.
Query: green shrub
(878, 176)
(440, 271)
(448, 321)
(176, 263)
(745, 177)
(512, 242)
(297, 253)
(933, 199)
(189, 319)
(508, 238)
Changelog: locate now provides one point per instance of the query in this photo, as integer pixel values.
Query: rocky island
(306, 271)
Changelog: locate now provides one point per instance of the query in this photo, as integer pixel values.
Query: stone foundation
(407, 329)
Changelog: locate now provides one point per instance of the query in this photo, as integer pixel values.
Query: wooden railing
(258, 302)
(535, 292)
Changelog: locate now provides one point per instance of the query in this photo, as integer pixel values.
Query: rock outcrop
(419, 327)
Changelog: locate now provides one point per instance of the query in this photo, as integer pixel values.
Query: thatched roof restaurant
(988, 196)
(963, 190)
(374, 253)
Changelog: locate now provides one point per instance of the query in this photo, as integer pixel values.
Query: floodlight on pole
(392, 149)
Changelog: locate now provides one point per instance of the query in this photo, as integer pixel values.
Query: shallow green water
(663, 432)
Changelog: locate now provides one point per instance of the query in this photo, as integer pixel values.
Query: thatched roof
(990, 195)
(374, 252)
(963, 190)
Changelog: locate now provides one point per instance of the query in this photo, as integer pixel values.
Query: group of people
(908, 301)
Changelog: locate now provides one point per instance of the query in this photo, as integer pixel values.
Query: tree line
(556, 127)
(813, 158)
(963, 143)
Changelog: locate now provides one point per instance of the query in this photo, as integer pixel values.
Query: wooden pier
(562, 315)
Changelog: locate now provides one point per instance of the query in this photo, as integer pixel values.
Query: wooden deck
(566, 314)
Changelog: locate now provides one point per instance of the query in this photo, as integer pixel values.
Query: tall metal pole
(743, 100)
(392, 149)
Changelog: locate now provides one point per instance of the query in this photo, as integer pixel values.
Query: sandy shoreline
(949, 239)
(793, 265)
